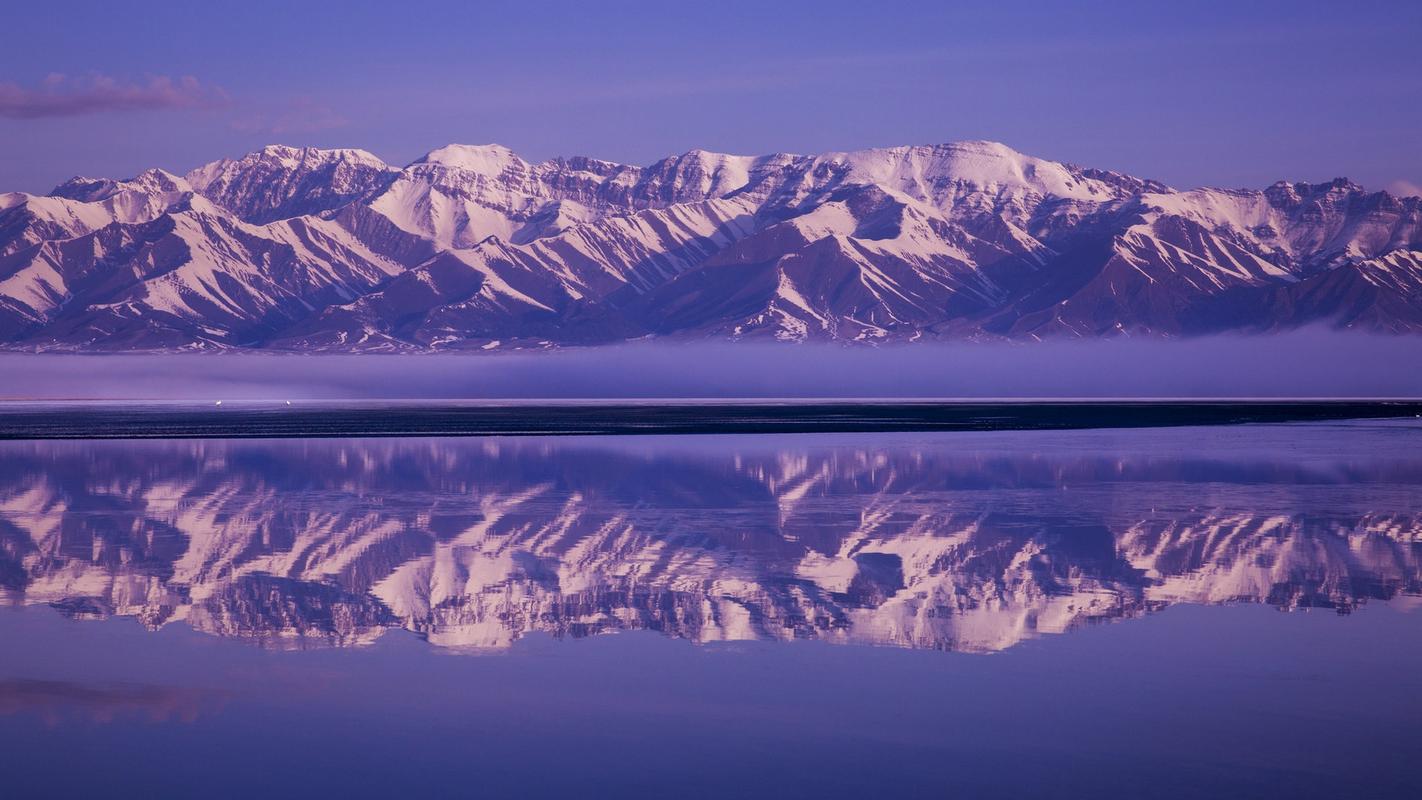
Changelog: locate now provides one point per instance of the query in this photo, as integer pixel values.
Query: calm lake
(1189, 612)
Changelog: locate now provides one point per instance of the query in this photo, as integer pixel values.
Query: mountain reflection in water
(969, 542)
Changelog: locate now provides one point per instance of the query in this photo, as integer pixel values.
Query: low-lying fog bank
(1304, 364)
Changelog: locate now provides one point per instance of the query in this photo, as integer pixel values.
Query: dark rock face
(471, 247)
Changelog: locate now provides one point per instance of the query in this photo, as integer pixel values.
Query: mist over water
(1314, 363)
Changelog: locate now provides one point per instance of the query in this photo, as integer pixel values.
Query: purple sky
(1232, 94)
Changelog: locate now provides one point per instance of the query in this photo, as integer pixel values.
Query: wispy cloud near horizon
(60, 95)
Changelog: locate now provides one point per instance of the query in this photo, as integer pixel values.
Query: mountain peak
(85, 189)
(158, 180)
(278, 151)
(280, 181)
(698, 154)
(985, 147)
(1286, 194)
(486, 159)
(93, 190)
(939, 172)
(293, 157)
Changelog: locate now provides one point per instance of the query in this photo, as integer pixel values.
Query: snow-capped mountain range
(471, 247)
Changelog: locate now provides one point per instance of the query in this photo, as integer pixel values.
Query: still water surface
(1223, 612)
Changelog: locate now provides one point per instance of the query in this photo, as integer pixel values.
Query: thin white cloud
(61, 95)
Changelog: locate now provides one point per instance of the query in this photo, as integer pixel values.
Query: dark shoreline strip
(187, 422)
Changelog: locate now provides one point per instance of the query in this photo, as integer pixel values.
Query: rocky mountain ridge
(471, 247)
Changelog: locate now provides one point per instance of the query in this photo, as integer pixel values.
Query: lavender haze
(1304, 364)
(1208, 93)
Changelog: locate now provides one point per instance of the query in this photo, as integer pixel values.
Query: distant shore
(621, 418)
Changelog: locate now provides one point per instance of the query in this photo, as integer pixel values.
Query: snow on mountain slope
(198, 276)
(80, 206)
(1378, 294)
(278, 182)
(500, 292)
(865, 264)
(988, 175)
(1312, 225)
(460, 195)
(39, 283)
(470, 246)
